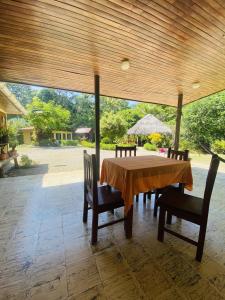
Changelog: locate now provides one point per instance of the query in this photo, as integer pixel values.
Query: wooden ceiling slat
(170, 44)
(50, 1)
(195, 67)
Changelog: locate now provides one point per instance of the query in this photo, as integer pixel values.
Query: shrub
(160, 140)
(150, 147)
(186, 145)
(87, 144)
(156, 139)
(69, 143)
(48, 143)
(219, 146)
(107, 146)
(105, 140)
(26, 162)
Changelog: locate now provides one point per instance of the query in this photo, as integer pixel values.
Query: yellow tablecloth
(139, 174)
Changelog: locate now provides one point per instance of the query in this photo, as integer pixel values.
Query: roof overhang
(8, 102)
(62, 44)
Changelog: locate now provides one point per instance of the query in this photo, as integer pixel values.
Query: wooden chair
(122, 151)
(174, 154)
(98, 198)
(125, 151)
(190, 208)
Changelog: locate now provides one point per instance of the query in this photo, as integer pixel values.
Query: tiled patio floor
(45, 251)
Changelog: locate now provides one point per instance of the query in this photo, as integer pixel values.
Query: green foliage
(156, 139)
(109, 104)
(219, 146)
(23, 92)
(113, 126)
(14, 131)
(59, 97)
(150, 147)
(47, 143)
(162, 112)
(46, 117)
(83, 114)
(25, 161)
(3, 131)
(107, 146)
(105, 140)
(69, 143)
(204, 120)
(160, 140)
(186, 145)
(87, 144)
(130, 116)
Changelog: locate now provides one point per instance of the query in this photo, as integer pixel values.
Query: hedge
(150, 147)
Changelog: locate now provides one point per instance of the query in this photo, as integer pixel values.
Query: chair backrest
(210, 180)
(90, 177)
(177, 154)
(122, 151)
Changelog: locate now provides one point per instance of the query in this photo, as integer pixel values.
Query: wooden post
(97, 122)
(178, 121)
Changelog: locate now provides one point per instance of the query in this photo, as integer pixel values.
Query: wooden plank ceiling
(62, 44)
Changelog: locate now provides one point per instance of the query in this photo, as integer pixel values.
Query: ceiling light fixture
(125, 64)
(196, 85)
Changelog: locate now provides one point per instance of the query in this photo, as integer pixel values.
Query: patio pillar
(97, 122)
(178, 121)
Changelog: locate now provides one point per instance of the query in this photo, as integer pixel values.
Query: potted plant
(3, 155)
(3, 135)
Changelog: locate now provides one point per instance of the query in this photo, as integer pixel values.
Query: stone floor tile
(110, 263)
(82, 276)
(122, 287)
(94, 293)
(152, 280)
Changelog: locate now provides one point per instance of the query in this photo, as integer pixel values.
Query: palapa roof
(62, 44)
(8, 102)
(147, 125)
(83, 130)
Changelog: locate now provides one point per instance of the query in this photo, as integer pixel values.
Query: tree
(22, 92)
(162, 112)
(14, 130)
(109, 104)
(46, 117)
(130, 115)
(83, 114)
(203, 120)
(112, 126)
(63, 98)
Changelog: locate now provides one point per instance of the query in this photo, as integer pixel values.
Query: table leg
(128, 223)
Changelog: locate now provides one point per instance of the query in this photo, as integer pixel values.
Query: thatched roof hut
(147, 125)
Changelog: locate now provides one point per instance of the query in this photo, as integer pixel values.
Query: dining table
(141, 174)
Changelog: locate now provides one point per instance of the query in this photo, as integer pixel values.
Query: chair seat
(175, 200)
(108, 198)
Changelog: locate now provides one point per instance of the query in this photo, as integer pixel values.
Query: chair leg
(155, 204)
(169, 218)
(137, 198)
(145, 196)
(162, 214)
(94, 234)
(85, 210)
(128, 223)
(149, 195)
(155, 209)
(201, 241)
